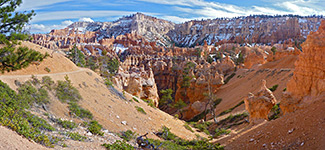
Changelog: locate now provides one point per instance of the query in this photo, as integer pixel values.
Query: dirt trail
(41, 75)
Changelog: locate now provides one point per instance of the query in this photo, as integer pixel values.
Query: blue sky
(56, 14)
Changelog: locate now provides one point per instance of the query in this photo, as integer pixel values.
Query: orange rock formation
(309, 77)
(260, 105)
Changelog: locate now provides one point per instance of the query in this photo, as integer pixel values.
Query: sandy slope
(245, 81)
(10, 140)
(303, 129)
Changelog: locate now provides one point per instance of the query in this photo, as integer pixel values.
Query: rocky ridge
(250, 29)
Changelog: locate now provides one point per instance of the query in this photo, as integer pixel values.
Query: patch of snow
(88, 51)
(119, 47)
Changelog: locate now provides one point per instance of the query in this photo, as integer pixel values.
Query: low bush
(141, 110)
(231, 109)
(47, 82)
(14, 116)
(127, 135)
(66, 92)
(188, 127)
(95, 128)
(203, 127)
(274, 87)
(118, 145)
(172, 142)
(275, 112)
(28, 95)
(135, 99)
(76, 110)
(67, 124)
(149, 102)
(220, 131)
(229, 78)
(75, 136)
(108, 82)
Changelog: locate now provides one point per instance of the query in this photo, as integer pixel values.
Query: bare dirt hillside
(106, 104)
(56, 62)
(303, 129)
(250, 80)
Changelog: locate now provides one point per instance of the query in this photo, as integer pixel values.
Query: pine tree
(12, 58)
(77, 57)
(12, 21)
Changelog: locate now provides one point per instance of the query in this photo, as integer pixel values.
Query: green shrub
(66, 92)
(179, 104)
(67, 124)
(48, 70)
(127, 135)
(95, 128)
(229, 77)
(275, 112)
(37, 122)
(274, 87)
(76, 136)
(118, 145)
(188, 127)
(13, 58)
(14, 116)
(231, 109)
(149, 102)
(172, 142)
(108, 82)
(28, 95)
(166, 97)
(47, 82)
(273, 49)
(76, 110)
(135, 99)
(203, 127)
(234, 118)
(285, 89)
(220, 131)
(141, 110)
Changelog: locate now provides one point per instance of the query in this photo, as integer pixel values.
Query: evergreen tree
(77, 57)
(12, 21)
(11, 25)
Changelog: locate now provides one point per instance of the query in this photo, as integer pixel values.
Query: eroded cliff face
(309, 76)
(138, 82)
(243, 29)
(251, 29)
(205, 80)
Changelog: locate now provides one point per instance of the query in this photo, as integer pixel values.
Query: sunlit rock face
(309, 76)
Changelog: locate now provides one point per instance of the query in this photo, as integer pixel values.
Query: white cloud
(85, 20)
(207, 9)
(37, 4)
(176, 19)
(41, 28)
(301, 7)
(60, 15)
